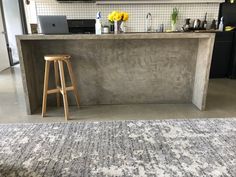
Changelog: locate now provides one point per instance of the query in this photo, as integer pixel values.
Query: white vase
(173, 26)
(123, 27)
(116, 27)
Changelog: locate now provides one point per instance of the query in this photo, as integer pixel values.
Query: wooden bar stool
(63, 89)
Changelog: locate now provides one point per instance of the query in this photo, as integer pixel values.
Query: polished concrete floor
(221, 103)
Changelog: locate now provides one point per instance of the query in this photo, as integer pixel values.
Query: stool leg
(57, 82)
(74, 83)
(45, 89)
(63, 87)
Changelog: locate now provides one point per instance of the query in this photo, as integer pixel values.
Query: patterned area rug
(165, 148)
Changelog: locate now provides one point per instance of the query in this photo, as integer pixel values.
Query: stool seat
(57, 57)
(61, 88)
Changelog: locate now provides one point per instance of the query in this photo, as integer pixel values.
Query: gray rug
(168, 148)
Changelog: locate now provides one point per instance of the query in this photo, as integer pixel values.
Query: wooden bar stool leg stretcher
(59, 80)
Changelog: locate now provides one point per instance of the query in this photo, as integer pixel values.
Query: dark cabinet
(225, 45)
(222, 54)
(233, 61)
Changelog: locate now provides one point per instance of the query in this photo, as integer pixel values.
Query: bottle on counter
(187, 25)
(148, 22)
(204, 23)
(221, 26)
(160, 28)
(98, 25)
(213, 25)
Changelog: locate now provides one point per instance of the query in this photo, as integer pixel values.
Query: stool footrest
(59, 90)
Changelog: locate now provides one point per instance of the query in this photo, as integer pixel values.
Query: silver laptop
(53, 24)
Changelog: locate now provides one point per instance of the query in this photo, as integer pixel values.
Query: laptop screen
(53, 24)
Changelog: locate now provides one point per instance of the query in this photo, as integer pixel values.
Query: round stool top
(57, 57)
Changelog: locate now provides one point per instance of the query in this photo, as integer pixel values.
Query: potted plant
(174, 18)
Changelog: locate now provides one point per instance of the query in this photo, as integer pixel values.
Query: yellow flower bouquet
(118, 19)
(118, 16)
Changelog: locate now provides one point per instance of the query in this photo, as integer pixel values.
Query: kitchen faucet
(148, 24)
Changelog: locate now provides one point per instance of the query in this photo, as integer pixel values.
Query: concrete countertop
(178, 35)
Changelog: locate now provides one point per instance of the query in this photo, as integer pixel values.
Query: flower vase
(123, 27)
(116, 28)
(173, 25)
(117, 25)
(112, 28)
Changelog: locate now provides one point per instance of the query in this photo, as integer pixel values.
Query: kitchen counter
(140, 35)
(131, 68)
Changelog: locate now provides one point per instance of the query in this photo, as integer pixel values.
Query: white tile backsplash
(160, 12)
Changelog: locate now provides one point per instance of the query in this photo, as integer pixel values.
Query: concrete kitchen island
(135, 68)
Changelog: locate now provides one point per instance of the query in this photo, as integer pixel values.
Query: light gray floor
(221, 103)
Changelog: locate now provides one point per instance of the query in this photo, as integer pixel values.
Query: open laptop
(53, 24)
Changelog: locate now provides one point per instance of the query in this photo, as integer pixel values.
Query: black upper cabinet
(69, 1)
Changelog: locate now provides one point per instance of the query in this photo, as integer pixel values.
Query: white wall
(30, 12)
(160, 12)
(13, 24)
(4, 60)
